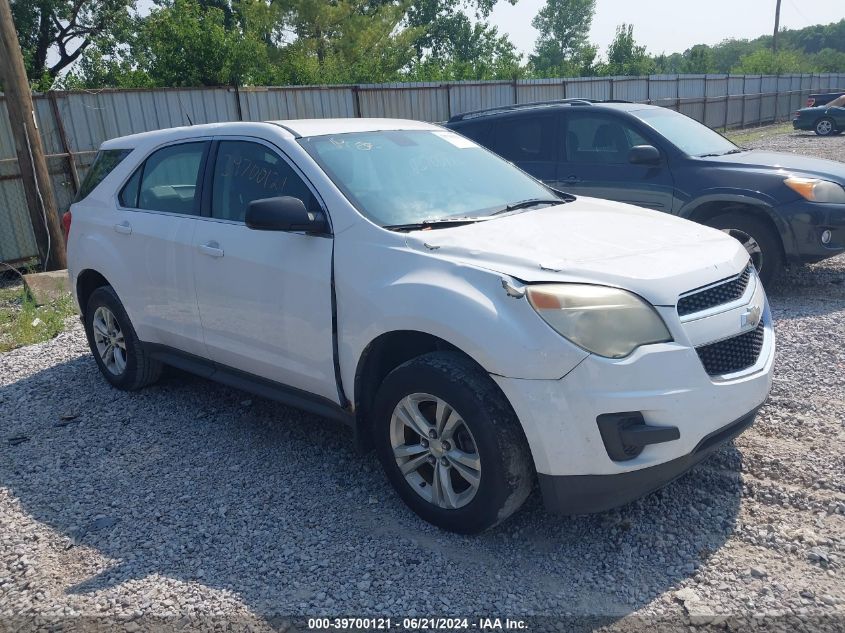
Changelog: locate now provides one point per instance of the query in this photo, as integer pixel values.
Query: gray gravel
(193, 500)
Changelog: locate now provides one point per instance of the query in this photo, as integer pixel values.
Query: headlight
(607, 321)
(816, 190)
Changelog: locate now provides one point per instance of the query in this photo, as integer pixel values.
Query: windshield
(688, 135)
(413, 176)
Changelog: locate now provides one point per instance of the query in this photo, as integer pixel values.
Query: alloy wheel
(109, 340)
(435, 450)
(824, 127)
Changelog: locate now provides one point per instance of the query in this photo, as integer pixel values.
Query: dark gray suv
(784, 208)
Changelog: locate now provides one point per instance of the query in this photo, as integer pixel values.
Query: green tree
(765, 62)
(561, 48)
(625, 56)
(698, 60)
(182, 43)
(829, 60)
(55, 33)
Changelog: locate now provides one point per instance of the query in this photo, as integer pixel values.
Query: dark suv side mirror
(644, 155)
(284, 213)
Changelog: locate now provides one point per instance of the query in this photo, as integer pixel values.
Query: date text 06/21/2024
(386, 624)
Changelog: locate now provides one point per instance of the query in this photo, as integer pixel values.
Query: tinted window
(244, 172)
(104, 163)
(599, 139)
(684, 133)
(526, 139)
(398, 177)
(129, 194)
(478, 131)
(168, 180)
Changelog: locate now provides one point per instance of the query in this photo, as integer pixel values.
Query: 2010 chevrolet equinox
(478, 328)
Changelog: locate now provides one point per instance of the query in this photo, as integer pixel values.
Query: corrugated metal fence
(73, 124)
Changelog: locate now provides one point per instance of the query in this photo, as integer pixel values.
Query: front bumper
(807, 222)
(665, 385)
(583, 494)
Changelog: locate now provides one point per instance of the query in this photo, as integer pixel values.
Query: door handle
(212, 249)
(124, 227)
(572, 180)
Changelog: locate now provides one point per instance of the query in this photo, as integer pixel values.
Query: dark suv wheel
(761, 242)
(450, 443)
(120, 356)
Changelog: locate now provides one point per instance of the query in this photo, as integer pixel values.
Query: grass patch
(741, 137)
(24, 323)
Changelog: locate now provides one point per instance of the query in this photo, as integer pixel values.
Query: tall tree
(55, 33)
(625, 56)
(562, 43)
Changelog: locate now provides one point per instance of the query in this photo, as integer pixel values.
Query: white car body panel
(265, 307)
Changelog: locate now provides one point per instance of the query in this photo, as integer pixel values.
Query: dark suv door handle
(572, 180)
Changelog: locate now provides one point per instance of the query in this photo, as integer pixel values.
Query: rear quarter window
(104, 163)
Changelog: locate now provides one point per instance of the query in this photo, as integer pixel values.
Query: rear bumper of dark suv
(585, 494)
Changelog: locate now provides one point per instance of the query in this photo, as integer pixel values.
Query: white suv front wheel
(450, 444)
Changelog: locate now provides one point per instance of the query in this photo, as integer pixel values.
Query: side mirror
(644, 155)
(284, 213)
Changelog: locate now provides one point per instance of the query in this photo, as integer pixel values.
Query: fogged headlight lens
(817, 190)
(607, 321)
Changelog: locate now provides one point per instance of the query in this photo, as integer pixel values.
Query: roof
(297, 128)
(320, 127)
(560, 103)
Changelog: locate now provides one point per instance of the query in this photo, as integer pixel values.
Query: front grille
(732, 354)
(726, 292)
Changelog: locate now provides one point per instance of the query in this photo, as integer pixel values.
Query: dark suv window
(592, 138)
(246, 171)
(104, 163)
(526, 139)
(167, 181)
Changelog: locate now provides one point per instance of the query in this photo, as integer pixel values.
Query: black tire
(507, 473)
(825, 126)
(140, 370)
(769, 262)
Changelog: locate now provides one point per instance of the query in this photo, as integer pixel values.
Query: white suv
(480, 330)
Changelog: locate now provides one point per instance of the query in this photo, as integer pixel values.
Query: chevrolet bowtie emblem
(751, 316)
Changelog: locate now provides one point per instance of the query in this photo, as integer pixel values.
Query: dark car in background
(822, 99)
(784, 208)
(824, 120)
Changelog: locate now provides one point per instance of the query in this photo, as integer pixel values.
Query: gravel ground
(206, 507)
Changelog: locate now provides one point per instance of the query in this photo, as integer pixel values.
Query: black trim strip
(249, 382)
(585, 494)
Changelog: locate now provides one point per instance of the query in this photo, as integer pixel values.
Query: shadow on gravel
(197, 483)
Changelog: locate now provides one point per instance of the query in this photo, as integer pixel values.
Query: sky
(672, 26)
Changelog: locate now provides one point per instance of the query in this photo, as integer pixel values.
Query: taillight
(66, 219)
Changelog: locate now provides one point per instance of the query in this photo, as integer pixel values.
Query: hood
(790, 163)
(656, 255)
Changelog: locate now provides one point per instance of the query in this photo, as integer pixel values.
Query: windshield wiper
(441, 223)
(730, 151)
(531, 202)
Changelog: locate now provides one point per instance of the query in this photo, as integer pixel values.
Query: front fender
(760, 201)
(463, 305)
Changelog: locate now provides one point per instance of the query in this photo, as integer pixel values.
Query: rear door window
(168, 180)
(245, 171)
(104, 163)
(478, 131)
(591, 138)
(527, 139)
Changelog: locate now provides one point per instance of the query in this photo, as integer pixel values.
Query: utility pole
(777, 28)
(31, 161)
